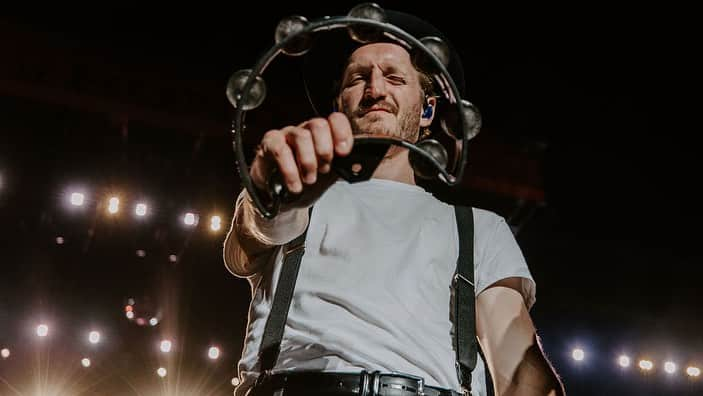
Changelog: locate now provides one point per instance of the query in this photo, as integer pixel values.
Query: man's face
(381, 92)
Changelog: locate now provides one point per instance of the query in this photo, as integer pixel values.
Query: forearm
(513, 352)
(533, 376)
(251, 236)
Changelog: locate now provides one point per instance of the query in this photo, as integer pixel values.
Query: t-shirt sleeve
(498, 256)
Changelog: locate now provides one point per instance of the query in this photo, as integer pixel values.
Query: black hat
(324, 64)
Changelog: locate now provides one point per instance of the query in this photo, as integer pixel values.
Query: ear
(428, 112)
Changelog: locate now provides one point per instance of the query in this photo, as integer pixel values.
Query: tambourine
(365, 23)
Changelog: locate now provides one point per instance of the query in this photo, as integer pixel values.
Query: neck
(395, 166)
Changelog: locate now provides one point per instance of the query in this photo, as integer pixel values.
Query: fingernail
(343, 145)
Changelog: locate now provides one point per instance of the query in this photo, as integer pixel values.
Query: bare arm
(513, 351)
(251, 237)
(303, 156)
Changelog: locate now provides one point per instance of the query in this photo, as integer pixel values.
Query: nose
(376, 87)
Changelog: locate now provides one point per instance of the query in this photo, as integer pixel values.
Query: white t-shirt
(374, 286)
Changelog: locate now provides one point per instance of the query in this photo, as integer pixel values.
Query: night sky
(592, 108)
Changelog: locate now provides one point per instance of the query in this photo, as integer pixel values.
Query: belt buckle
(420, 386)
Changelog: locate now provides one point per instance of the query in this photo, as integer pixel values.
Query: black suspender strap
(465, 298)
(275, 324)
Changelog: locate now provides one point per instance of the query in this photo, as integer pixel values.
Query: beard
(406, 125)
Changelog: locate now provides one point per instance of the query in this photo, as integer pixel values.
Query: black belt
(365, 383)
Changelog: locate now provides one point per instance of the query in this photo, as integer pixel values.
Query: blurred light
(173, 258)
(141, 321)
(59, 240)
(165, 346)
(141, 253)
(77, 199)
(85, 362)
(189, 219)
(5, 353)
(140, 209)
(646, 365)
(578, 354)
(94, 337)
(161, 372)
(215, 223)
(213, 353)
(130, 301)
(42, 330)
(153, 321)
(691, 371)
(235, 381)
(624, 361)
(670, 367)
(128, 308)
(113, 205)
(130, 315)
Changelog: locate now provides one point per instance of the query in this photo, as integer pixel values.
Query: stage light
(141, 253)
(161, 372)
(189, 219)
(94, 337)
(130, 301)
(624, 361)
(128, 308)
(140, 209)
(59, 240)
(646, 365)
(113, 205)
(42, 330)
(153, 321)
(213, 353)
(215, 223)
(235, 381)
(670, 367)
(578, 354)
(165, 346)
(77, 199)
(173, 258)
(85, 362)
(693, 371)
(5, 353)
(129, 315)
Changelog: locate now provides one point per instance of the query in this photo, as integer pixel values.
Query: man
(374, 288)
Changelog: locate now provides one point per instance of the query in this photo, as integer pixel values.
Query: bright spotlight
(85, 362)
(578, 354)
(94, 337)
(165, 346)
(153, 321)
(646, 365)
(670, 367)
(693, 371)
(129, 315)
(189, 219)
(215, 223)
(5, 353)
(213, 353)
(113, 205)
(624, 361)
(140, 209)
(59, 240)
(161, 372)
(173, 258)
(42, 330)
(141, 253)
(77, 199)
(235, 381)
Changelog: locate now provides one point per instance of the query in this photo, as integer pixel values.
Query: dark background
(588, 149)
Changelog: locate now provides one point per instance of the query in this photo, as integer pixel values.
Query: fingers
(301, 152)
(274, 146)
(341, 133)
(300, 140)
